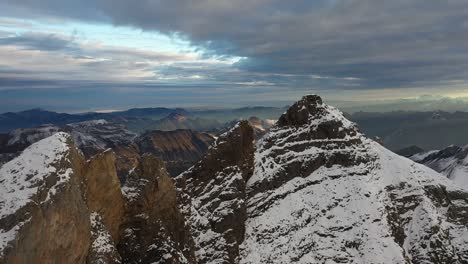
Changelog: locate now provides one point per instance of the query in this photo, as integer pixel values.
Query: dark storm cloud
(394, 43)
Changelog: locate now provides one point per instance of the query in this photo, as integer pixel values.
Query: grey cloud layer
(384, 43)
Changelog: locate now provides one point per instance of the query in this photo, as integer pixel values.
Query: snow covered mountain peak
(322, 192)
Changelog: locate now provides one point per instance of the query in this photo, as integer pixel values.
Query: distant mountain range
(395, 130)
(140, 120)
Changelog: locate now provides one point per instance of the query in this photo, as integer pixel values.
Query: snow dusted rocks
(55, 207)
(154, 230)
(43, 216)
(321, 192)
(213, 196)
(102, 248)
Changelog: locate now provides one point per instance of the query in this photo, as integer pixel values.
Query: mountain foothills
(311, 189)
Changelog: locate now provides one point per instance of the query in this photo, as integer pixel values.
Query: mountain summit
(313, 189)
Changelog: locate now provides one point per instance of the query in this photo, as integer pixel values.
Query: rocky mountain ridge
(321, 192)
(313, 189)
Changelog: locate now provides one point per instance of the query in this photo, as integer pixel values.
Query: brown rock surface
(103, 191)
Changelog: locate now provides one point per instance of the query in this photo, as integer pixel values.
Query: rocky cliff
(57, 207)
(213, 196)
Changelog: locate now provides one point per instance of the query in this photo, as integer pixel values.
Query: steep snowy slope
(451, 161)
(323, 193)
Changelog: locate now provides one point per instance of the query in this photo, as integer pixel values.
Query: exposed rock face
(57, 208)
(155, 229)
(451, 161)
(322, 192)
(103, 192)
(180, 149)
(44, 217)
(214, 195)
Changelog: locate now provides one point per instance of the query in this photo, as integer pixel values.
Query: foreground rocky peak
(42, 207)
(58, 208)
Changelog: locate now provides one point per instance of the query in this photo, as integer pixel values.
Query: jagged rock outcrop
(58, 208)
(154, 230)
(179, 149)
(213, 195)
(322, 192)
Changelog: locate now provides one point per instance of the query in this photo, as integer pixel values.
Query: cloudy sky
(81, 55)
